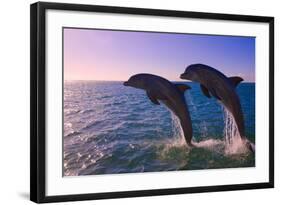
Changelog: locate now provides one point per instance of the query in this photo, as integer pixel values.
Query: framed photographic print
(129, 102)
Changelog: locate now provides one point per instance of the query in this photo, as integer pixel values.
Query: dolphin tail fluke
(251, 146)
(235, 80)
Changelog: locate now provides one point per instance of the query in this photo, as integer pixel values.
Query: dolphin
(216, 84)
(171, 95)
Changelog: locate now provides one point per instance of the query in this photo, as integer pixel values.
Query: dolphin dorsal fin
(152, 98)
(235, 80)
(182, 87)
(205, 91)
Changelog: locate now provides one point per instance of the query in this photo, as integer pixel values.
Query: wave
(86, 111)
(127, 133)
(71, 134)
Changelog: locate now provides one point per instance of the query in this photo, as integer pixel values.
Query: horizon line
(126, 80)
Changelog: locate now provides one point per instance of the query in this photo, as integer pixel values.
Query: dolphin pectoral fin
(166, 102)
(182, 87)
(235, 80)
(214, 93)
(205, 91)
(152, 98)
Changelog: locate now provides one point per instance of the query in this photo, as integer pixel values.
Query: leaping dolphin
(172, 95)
(215, 83)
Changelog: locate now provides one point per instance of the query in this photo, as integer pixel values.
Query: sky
(91, 54)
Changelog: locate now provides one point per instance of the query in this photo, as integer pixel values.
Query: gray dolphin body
(172, 95)
(215, 83)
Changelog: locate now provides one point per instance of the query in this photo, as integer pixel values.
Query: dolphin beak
(182, 76)
(125, 83)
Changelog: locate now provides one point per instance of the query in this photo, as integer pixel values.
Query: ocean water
(110, 129)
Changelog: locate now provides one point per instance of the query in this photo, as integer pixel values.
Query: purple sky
(117, 55)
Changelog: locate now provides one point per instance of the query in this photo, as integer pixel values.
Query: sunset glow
(91, 54)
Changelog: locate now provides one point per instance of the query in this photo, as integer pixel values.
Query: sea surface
(110, 129)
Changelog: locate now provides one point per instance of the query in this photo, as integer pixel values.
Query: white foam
(231, 144)
(233, 141)
(177, 131)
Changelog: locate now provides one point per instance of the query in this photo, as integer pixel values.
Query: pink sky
(116, 55)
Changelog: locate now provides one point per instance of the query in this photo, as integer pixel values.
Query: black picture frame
(38, 101)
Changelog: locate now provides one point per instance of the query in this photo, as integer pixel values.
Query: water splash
(233, 142)
(174, 150)
(177, 132)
